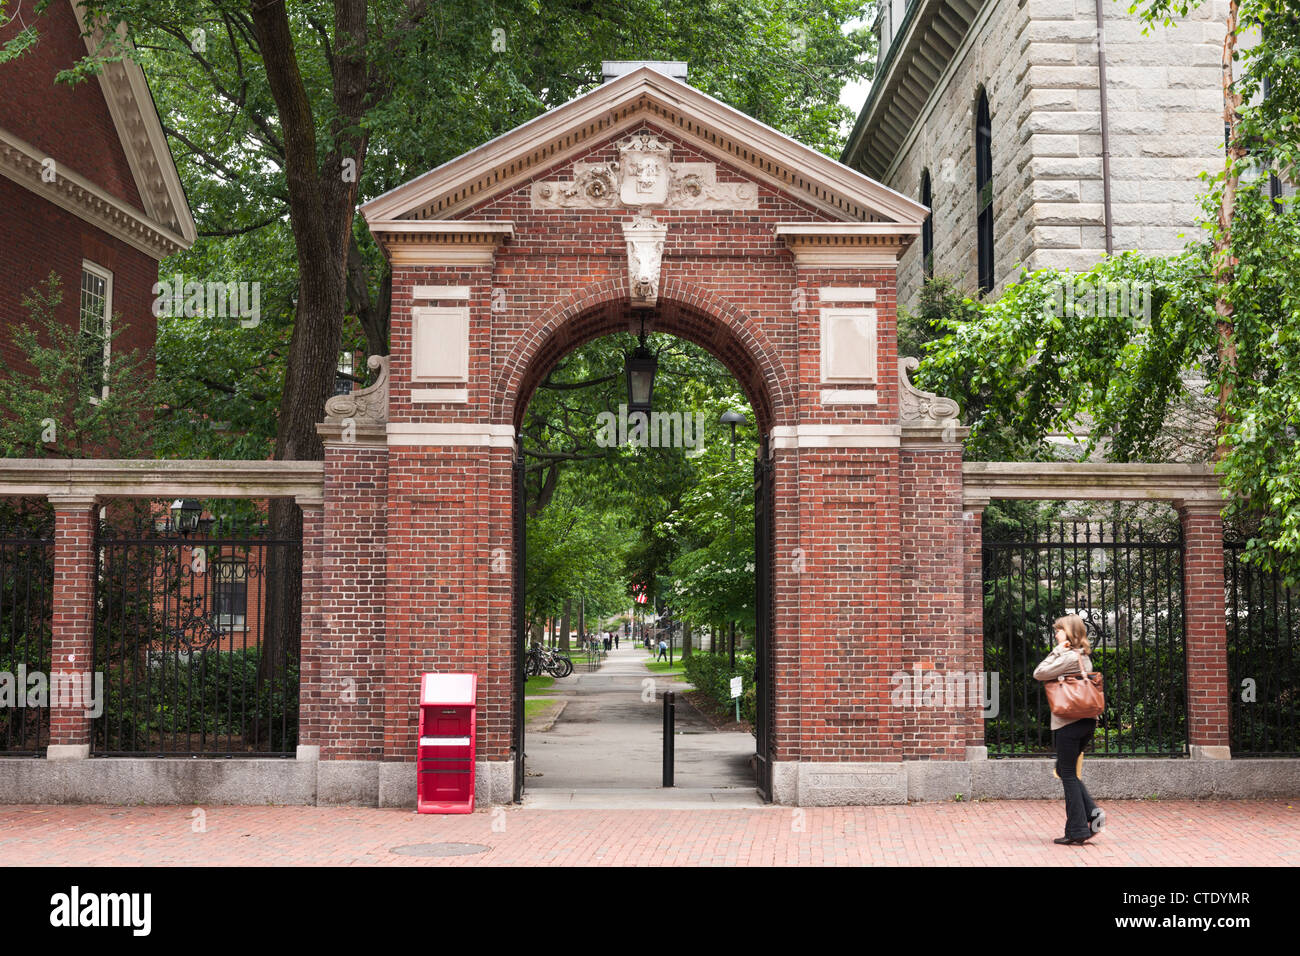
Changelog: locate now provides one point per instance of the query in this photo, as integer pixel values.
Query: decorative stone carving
(645, 249)
(644, 177)
(643, 159)
(918, 407)
(365, 406)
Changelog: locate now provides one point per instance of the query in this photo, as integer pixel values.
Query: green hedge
(712, 674)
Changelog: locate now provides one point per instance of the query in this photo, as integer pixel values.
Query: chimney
(613, 69)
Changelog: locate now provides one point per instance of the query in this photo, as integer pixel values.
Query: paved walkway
(609, 738)
(1140, 833)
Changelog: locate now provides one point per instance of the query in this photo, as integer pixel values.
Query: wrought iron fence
(1125, 581)
(197, 639)
(1263, 659)
(26, 589)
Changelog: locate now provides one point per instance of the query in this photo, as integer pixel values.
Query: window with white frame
(96, 327)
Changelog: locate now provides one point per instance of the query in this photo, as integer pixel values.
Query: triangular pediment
(624, 105)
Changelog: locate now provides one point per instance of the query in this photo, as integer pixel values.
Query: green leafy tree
(54, 404)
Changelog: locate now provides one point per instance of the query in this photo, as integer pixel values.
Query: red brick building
(88, 188)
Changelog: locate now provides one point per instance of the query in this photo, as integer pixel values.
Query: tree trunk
(686, 640)
(564, 623)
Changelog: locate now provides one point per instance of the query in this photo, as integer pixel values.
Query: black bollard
(670, 719)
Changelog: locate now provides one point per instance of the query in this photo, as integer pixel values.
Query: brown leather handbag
(1076, 698)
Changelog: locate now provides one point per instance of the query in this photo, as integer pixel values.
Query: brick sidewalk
(1140, 833)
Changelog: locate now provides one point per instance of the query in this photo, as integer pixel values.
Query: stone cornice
(131, 106)
(1190, 485)
(439, 241)
(101, 478)
(855, 245)
(22, 162)
(926, 41)
(644, 96)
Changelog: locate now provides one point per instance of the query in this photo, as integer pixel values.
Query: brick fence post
(1206, 627)
(310, 728)
(73, 607)
(973, 586)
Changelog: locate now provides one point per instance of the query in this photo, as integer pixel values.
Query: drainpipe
(1105, 129)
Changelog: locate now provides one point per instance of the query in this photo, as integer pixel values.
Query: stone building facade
(1036, 61)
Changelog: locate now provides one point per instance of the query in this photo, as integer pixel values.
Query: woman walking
(1071, 655)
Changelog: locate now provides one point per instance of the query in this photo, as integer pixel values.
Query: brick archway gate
(642, 196)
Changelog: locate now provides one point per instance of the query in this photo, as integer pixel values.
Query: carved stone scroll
(365, 406)
(918, 407)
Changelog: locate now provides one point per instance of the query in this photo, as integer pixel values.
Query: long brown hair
(1075, 632)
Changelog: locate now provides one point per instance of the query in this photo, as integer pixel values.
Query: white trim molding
(1187, 485)
(98, 478)
(433, 242)
(440, 396)
(439, 293)
(450, 433)
(131, 106)
(846, 294)
(847, 245)
(836, 436)
(850, 396)
(24, 164)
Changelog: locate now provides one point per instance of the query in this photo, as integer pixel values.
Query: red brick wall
(933, 601)
(71, 124)
(342, 689)
(37, 237)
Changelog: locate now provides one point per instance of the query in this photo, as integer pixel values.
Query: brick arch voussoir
(734, 328)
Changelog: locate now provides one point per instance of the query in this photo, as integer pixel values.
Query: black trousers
(1079, 804)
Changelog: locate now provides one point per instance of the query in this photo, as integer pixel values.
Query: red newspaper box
(445, 760)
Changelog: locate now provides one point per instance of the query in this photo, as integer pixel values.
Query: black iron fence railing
(26, 594)
(1263, 659)
(1125, 581)
(197, 641)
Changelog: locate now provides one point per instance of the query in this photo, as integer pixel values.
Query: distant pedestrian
(616, 640)
(663, 650)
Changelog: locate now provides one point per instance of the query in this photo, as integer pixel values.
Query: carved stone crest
(643, 159)
(644, 177)
(645, 249)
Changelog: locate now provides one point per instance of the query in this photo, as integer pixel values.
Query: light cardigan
(1063, 660)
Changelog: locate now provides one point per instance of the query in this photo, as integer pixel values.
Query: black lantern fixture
(185, 513)
(733, 419)
(640, 366)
